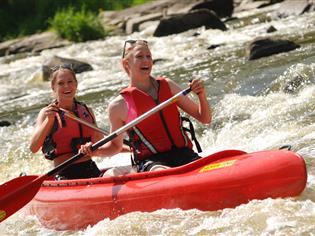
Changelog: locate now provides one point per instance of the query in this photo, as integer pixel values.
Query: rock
(4, 46)
(125, 19)
(223, 8)
(267, 46)
(270, 2)
(120, 18)
(295, 8)
(183, 22)
(4, 123)
(244, 5)
(294, 84)
(133, 24)
(214, 46)
(271, 29)
(36, 43)
(78, 66)
(149, 25)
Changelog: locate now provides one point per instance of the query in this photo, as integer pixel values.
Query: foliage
(25, 17)
(77, 26)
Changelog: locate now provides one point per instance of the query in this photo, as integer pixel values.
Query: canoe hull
(222, 180)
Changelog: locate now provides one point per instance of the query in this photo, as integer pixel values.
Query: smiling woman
(166, 143)
(60, 137)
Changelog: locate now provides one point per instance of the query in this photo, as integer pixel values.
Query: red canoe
(222, 180)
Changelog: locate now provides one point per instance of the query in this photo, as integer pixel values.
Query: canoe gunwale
(145, 175)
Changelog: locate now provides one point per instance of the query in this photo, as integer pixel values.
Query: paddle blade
(17, 192)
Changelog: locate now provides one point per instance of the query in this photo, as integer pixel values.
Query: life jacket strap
(191, 130)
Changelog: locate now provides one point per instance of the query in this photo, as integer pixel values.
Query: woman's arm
(201, 111)
(117, 111)
(96, 134)
(44, 124)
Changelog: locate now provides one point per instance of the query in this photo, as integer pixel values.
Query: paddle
(17, 192)
(72, 116)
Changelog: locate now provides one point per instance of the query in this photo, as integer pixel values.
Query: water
(257, 105)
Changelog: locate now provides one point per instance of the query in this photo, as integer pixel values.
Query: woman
(58, 136)
(159, 141)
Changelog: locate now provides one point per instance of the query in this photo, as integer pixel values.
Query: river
(252, 111)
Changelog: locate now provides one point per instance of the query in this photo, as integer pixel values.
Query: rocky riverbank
(166, 17)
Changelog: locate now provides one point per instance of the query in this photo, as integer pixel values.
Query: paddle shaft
(120, 131)
(88, 124)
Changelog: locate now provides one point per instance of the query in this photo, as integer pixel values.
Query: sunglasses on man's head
(63, 66)
(131, 42)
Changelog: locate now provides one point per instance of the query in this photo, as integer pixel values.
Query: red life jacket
(67, 134)
(161, 131)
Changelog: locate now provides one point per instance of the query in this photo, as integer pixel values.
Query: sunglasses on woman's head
(63, 66)
(131, 42)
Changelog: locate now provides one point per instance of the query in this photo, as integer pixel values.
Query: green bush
(77, 26)
(26, 17)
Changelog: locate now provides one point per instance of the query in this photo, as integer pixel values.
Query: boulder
(271, 29)
(294, 84)
(183, 22)
(244, 5)
(4, 46)
(223, 8)
(266, 46)
(36, 43)
(295, 8)
(133, 24)
(129, 19)
(4, 123)
(78, 66)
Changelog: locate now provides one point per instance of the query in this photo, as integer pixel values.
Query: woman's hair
(55, 70)
(133, 44)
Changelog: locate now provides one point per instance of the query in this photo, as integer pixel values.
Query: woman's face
(139, 61)
(64, 85)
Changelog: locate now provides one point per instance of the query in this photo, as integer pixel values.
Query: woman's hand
(44, 124)
(50, 111)
(197, 87)
(86, 149)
